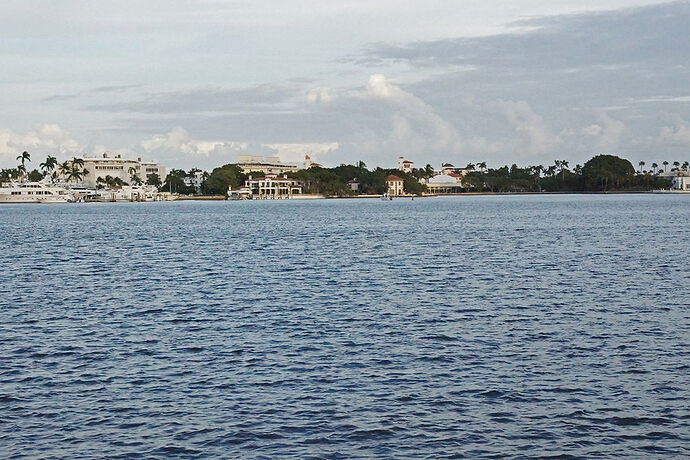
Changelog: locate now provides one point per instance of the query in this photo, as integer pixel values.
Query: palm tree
(24, 157)
(685, 165)
(482, 166)
(654, 167)
(641, 163)
(63, 169)
(676, 164)
(132, 171)
(665, 163)
(76, 173)
(563, 166)
(78, 161)
(49, 165)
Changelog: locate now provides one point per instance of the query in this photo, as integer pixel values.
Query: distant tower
(405, 165)
(307, 162)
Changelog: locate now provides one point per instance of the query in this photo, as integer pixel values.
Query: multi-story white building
(111, 164)
(266, 165)
(405, 165)
(273, 187)
(394, 184)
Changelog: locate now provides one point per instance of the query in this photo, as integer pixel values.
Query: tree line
(601, 173)
(71, 170)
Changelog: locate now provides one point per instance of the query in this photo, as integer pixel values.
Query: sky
(197, 83)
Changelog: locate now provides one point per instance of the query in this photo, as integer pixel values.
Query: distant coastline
(461, 194)
(258, 178)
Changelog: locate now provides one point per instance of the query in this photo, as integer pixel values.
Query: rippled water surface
(489, 326)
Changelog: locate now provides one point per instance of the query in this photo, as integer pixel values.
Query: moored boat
(34, 192)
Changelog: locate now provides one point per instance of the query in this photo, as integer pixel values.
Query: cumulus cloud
(48, 138)
(293, 153)
(537, 136)
(675, 135)
(178, 141)
(607, 132)
(414, 126)
(320, 95)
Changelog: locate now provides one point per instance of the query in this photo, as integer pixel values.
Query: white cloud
(678, 135)
(320, 95)
(608, 132)
(178, 142)
(295, 152)
(537, 137)
(44, 139)
(415, 127)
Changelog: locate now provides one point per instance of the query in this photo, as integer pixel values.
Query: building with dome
(445, 183)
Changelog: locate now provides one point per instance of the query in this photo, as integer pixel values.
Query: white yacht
(124, 193)
(34, 192)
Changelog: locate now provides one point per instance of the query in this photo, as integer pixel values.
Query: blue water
(488, 326)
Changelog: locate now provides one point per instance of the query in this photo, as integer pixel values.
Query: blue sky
(198, 83)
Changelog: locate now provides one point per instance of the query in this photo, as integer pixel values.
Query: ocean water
(479, 327)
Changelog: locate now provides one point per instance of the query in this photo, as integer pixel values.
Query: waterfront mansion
(269, 187)
(111, 164)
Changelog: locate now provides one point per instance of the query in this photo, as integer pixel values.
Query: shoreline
(410, 197)
(621, 192)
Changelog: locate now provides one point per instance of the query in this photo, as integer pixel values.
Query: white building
(111, 164)
(310, 164)
(445, 183)
(273, 187)
(196, 180)
(405, 165)
(394, 185)
(681, 182)
(448, 168)
(266, 165)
